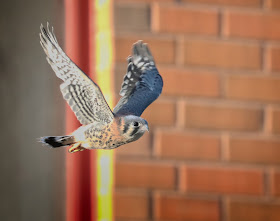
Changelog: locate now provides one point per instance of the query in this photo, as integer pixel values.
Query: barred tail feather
(58, 141)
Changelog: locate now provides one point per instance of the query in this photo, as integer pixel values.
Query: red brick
(131, 18)
(245, 211)
(161, 113)
(178, 19)
(273, 57)
(252, 150)
(145, 175)
(141, 147)
(272, 4)
(222, 117)
(221, 180)
(274, 121)
(131, 205)
(180, 145)
(258, 25)
(242, 3)
(189, 83)
(275, 182)
(120, 71)
(163, 49)
(144, 1)
(182, 208)
(222, 54)
(260, 88)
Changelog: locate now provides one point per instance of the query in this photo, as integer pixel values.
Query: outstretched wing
(142, 83)
(82, 94)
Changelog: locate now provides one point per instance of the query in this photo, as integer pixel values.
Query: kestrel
(101, 127)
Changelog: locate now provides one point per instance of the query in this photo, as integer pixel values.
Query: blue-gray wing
(142, 83)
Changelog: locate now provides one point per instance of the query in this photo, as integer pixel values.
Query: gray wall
(32, 176)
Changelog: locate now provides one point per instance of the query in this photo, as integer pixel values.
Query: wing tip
(47, 34)
(141, 49)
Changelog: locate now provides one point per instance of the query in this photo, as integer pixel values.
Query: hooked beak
(147, 127)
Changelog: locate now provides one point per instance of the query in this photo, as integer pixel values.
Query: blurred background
(213, 151)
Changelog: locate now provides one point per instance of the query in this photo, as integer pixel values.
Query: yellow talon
(76, 147)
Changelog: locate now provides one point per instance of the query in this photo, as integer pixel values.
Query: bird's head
(133, 127)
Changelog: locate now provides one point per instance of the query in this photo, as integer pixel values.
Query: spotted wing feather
(142, 83)
(82, 94)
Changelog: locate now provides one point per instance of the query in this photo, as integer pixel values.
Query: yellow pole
(103, 73)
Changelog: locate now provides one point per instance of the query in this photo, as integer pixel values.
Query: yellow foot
(76, 147)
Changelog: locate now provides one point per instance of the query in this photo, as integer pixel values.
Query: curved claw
(76, 148)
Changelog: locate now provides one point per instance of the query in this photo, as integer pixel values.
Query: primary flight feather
(101, 127)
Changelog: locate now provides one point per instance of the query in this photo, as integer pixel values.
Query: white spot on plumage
(140, 64)
(136, 59)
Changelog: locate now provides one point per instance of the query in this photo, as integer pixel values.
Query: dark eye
(135, 124)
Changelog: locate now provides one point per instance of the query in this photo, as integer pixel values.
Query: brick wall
(213, 152)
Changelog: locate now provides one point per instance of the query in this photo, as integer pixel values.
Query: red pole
(80, 179)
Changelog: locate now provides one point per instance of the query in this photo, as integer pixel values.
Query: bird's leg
(76, 147)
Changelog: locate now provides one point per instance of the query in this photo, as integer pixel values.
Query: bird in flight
(101, 127)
